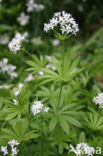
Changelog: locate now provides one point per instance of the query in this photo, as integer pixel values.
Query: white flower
(41, 73)
(5, 86)
(48, 58)
(98, 100)
(26, 34)
(39, 7)
(23, 19)
(19, 36)
(13, 143)
(50, 66)
(46, 109)
(8, 68)
(17, 90)
(3, 65)
(82, 148)
(13, 74)
(29, 78)
(15, 44)
(14, 151)
(4, 150)
(20, 85)
(65, 21)
(80, 8)
(37, 107)
(55, 42)
(15, 102)
(30, 6)
(4, 39)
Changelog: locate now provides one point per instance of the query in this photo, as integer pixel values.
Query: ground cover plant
(51, 78)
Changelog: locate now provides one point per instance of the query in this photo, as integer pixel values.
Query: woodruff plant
(49, 118)
(61, 115)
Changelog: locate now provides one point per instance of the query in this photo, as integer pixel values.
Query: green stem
(63, 57)
(24, 50)
(42, 147)
(61, 88)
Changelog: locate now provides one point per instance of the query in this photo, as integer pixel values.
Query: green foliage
(68, 91)
(66, 74)
(94, 121)
(19, 130)
(10, 110)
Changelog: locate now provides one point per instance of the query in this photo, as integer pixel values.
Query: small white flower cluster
(23, 19)
(31, 5)
(37, 107)
(50, 66)
(65, 21)
(4, 39)
(98, 100)
(15, 44)
(29, 78)
(17, 90)
(8, 68)
(14, 150)
(82, 148)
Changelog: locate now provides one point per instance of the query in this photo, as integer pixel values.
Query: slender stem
(63, 57)
(23, 49)
(42, 147)
(61, 88)
(60, 95)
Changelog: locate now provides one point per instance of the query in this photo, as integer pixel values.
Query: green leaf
(11, 116)
(64, 124)
(53, 123)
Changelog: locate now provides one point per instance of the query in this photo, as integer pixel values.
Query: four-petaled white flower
(48, 58)
(23, 19)
(31, 5)
(29, 78)
(13, 143)
(4, 39)
(7, 68)
(39, 7)
(4, 150)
